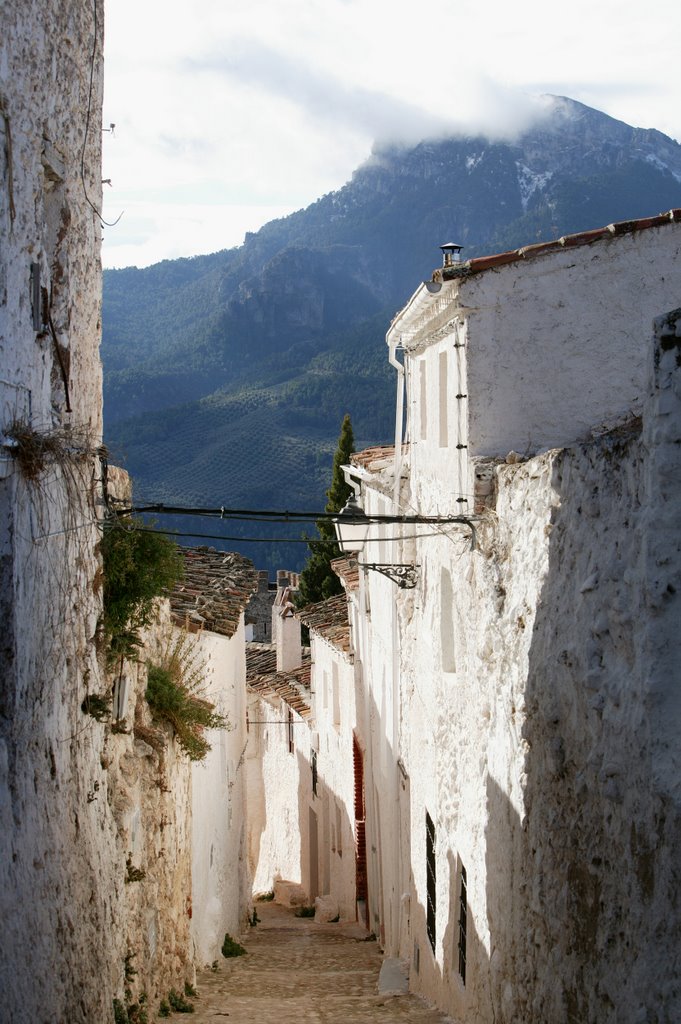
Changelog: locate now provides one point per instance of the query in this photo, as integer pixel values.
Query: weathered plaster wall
(60, 880)
(46, 53)
(542, 708)
(147, 787)
(279, 795)
(529, 356)
(334, 721)
(221, 879)
(377, 637)
(554, 346)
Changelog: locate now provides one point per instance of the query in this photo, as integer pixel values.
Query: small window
(463, 914)
(289, 725)
(431, 894)
(339, 830)
(120, 697)
(313, 765)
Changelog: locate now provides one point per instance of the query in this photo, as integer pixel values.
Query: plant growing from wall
(133, 874)
(35, 451)
(139, 565)
(97, 706)
(176, 695)
(230, 947)
(178, 1003)
(318, 580)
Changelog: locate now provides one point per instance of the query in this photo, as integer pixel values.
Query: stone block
(289, 894)
(326, 909)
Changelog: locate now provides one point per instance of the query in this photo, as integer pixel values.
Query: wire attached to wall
(104, 223)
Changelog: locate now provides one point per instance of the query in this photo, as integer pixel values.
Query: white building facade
(524, 781)
(210, 602)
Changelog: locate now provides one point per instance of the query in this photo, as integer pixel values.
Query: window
(289, 726)
(339, 830)
(313, 765)
(120, 697)
(463, 914)
(430, 881)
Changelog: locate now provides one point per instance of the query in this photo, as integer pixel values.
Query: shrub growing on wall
(139, 566)
(175, 693)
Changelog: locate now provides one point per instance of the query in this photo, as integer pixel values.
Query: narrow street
(297, 971)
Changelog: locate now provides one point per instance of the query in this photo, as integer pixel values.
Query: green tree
(318, 580)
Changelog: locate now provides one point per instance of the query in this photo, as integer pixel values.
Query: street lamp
(352, 527)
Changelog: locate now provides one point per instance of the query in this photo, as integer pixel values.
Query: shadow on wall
(582, 896)
(327, 863)
(255, 791)
(460, 983)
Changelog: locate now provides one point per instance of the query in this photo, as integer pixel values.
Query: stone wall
(60, 882)
(147, 787)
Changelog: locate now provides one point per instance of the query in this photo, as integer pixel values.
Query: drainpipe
(399, 418)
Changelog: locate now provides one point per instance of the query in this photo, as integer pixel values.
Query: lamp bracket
(405, 576)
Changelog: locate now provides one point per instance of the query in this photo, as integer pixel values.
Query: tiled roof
(263, 679)
(625, 227)
(379, 453)
(329, 619)
(347, 570)
(216, 588)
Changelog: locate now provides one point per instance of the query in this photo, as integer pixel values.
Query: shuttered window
(430, 880)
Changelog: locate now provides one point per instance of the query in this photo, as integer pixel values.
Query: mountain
(226, 376)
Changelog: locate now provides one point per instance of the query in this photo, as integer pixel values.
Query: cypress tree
(318, 580)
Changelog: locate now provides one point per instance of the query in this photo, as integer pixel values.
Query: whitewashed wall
(334, 721)
(220, 877)
(61, 878)
(542, 705)
(279, 794)
(376, 633)
(531, 355)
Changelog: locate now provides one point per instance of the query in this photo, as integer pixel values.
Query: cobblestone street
(298, 971)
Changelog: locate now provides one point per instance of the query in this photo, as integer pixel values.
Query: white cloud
(245, 108)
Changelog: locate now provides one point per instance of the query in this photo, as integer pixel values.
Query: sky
(234, 113)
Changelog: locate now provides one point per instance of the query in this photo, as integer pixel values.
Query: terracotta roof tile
(585, 237)
(625, 227)
(216, 588)
(378, 453)
(263, 680)
(329, 619)
(347, 570)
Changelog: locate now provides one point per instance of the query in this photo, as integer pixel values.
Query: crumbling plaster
(545, 756)
(60, 876)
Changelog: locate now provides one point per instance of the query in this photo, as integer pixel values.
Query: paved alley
(297, 971)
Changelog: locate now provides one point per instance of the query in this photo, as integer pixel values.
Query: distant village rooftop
(216, 587)
(262, 678)
(329, 619)
(466, 268)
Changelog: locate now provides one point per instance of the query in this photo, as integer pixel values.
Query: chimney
(285, 626)
(263, 581)
(451, 254)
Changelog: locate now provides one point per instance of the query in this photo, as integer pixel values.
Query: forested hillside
(227, 376)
